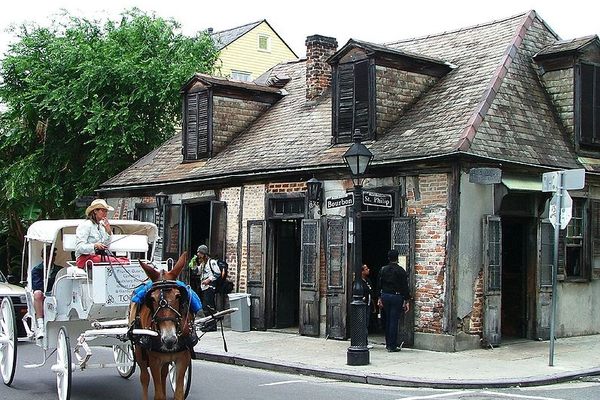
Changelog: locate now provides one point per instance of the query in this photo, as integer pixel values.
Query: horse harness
(154, 343)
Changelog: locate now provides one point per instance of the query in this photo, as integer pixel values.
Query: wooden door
(336, 267)
(309, 278)
(256, 273)
(492, 284)
(403, 240)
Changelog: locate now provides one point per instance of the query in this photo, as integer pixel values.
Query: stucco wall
(475, 201)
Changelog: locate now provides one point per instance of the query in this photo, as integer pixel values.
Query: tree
(82, 100)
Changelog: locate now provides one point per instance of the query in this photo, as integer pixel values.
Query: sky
(375, 21)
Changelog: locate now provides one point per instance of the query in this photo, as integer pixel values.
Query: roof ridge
(459, 29)
(238, 27)
(468, 134)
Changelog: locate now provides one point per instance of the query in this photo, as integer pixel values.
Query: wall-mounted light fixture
(314, 191)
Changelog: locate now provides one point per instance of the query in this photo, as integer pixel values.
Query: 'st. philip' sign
(377, 199)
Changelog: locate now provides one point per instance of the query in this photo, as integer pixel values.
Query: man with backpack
(205, 272)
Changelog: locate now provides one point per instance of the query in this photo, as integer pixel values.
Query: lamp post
(358, 158)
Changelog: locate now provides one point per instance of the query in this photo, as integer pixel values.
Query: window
(196, 126)
(352, 109)
(574, 242)
(287, 207)
(589, 105)
(241, 76)
(145, 213)
(264, 43)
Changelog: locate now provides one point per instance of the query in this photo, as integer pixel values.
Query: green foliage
(84, 99)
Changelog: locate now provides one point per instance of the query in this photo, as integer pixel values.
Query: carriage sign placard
(113, 285)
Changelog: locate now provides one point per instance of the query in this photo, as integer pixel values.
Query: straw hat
(96, 204)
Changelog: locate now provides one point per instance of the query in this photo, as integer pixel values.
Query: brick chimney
(318, 72)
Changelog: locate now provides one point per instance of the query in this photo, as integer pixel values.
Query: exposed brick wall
(427, 198)
(231, 196)
(318, 71)
(396, 90)
(476, 322)
(232, 116)
(254, 209)
(289, 187)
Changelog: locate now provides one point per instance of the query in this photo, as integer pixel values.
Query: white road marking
(520, 396)
(281, 383)
(434, 396)
(463, 392)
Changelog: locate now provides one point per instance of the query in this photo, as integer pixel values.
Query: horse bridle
(164, 304)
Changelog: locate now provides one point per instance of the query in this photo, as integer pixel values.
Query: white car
(17, 295)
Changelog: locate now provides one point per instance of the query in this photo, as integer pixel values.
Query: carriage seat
(118, 243)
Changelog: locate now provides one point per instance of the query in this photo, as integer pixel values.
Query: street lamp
(161, 199)
(358, 158)
(313, 191)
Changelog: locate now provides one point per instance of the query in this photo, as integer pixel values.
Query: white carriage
(85, 306)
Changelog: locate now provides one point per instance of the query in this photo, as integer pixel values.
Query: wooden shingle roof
(491, 105)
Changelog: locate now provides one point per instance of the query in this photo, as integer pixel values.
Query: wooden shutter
(546, 254)
(218, 228)
(196, 130)
(256, 273)
(345, 103)
(492, 274)
(403, 240)
(595, 238)
(336, 258)
(309, 279)
(352, 101)
(361, 98)
(589, 104)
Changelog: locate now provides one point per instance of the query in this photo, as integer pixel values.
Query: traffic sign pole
(559, 193)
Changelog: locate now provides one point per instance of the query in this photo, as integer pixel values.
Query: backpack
(223, 285)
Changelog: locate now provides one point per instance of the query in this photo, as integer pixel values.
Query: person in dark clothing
(394, 299)
(368, 293)
(37, 286)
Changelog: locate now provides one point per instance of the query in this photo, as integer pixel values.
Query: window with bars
(352, 108)
(588, 118)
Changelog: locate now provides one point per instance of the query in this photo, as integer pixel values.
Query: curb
(392, 380)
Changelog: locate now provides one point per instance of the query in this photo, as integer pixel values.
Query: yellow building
(247, 51)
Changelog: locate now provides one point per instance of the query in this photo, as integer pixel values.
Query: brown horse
(165, 310)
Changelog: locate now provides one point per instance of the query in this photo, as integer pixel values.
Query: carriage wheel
(187, 378)
(8, 341)
(123, 355)
(63, 365)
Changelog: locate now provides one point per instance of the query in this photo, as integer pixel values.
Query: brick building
(462, 125)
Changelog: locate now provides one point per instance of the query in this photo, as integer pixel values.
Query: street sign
(377, 199)
(485, 176)
(333, 202)
(565, 210)
(572, 179)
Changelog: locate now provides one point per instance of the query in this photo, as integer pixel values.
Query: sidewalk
(520, 363)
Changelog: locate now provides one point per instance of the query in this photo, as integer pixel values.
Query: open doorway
(198, 225)
(376, 242)
(514, 277)
(286, 273)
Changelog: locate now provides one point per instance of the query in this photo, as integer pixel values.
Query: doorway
(376, 242)
(286, 273)
(198, 226)
(514, 277)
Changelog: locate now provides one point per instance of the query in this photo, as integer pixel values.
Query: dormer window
(353, 114)
(589, 105)
(197, 126)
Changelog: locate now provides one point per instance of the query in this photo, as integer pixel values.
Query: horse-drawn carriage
(86, 306)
